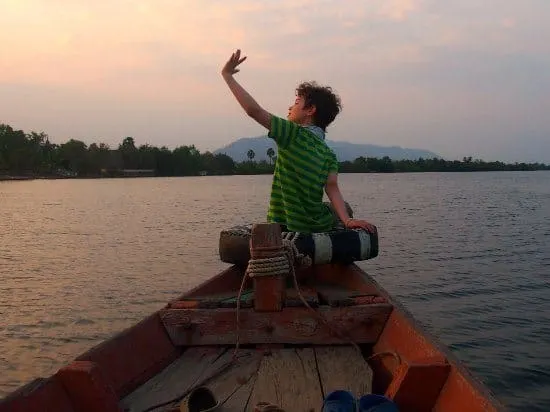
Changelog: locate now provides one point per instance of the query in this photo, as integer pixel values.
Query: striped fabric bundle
(337, 246)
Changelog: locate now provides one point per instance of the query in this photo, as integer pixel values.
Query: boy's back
(304, 162)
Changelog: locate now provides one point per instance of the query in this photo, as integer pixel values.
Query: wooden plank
(174, 380)
(339, 296)
(234, 387)
(343, 367)
(361, 323)
(308, 293)
(288, 378)
(221, 300)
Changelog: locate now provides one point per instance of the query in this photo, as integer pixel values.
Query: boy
(305, 164)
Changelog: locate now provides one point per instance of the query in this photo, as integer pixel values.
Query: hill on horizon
(345, 151)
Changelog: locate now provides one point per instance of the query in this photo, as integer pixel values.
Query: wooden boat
(289, 347)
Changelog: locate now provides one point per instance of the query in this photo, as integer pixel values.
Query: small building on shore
(128, 172)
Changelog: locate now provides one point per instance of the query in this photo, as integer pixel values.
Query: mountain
(344, 150)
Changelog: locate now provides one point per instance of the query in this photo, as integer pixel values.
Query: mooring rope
(270, 266)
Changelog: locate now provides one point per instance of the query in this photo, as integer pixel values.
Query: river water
(467, 253)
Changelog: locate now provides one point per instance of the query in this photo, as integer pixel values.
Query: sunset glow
(461, 78)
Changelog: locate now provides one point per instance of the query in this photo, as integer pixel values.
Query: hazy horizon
(457, 78)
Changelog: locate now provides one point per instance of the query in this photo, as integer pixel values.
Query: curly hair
(326, 102)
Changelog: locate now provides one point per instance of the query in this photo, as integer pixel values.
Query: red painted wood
(269, 291)
(88, 389)
(400, 336)
(462, 394)
(416, 386)
(184, 304)
(134, 355)
(406, 336)
(40, 395)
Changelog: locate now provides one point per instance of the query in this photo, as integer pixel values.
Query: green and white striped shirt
(304, 162)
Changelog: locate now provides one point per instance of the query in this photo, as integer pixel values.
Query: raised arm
(247, 102)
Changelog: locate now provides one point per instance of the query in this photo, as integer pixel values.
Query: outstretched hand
(361, 224)
(230, 67)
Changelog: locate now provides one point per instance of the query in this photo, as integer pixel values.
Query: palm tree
(250, 154)
(270, 154)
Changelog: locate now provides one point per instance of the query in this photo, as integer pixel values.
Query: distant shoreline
(10, 178)
(15, 178)
(27, 156)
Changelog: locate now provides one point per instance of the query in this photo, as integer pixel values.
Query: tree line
(32, 154)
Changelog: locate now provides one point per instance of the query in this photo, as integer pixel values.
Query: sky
(457, 77)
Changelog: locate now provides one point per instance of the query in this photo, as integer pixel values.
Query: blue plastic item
(376, 403)
(339, 401)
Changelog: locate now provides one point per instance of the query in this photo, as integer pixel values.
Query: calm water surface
(468, 254)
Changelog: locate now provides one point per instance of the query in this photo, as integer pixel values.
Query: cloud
(410, 72)
(398, 10)
(508, 23)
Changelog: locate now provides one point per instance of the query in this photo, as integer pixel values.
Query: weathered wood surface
(216, 300)
(174, 380)
(336, 295)
(269, 291)
(296, 379)
(362, 324)
(343, 367)
(292, 298)
(288, 378)
(339, 296)
(233, 388)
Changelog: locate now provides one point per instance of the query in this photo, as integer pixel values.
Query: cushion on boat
(336, 246)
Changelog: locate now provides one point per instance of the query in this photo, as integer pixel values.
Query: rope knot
(273, 260)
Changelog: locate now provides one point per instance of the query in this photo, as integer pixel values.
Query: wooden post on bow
(269, 291)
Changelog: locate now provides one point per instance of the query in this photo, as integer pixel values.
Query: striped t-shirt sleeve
(282, 131)
(332, 163)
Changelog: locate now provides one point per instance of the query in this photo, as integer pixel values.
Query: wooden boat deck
(294, 378)
(291, 353)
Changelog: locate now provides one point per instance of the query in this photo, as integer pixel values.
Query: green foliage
(386, 165)
(33, 155)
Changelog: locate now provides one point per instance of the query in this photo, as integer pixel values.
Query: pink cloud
(398, 10)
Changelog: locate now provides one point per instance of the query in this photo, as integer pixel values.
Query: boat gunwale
(450, 357)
